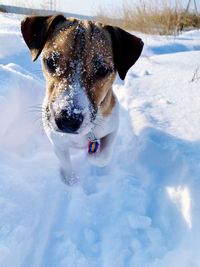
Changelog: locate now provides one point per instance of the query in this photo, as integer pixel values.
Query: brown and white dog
(80, 60)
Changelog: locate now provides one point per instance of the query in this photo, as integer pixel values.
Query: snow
(143, 209)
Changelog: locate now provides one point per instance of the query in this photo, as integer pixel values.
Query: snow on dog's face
(79, 72)
(80, 60)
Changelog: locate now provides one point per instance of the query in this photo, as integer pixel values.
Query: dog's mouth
(73, 121)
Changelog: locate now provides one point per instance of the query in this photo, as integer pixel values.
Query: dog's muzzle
(71, 112)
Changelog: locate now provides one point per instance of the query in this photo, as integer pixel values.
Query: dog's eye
(51, 64)
(102, 71)
(52, 61)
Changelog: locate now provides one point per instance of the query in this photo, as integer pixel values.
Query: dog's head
(80, 60)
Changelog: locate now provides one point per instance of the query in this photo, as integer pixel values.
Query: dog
(80, 59)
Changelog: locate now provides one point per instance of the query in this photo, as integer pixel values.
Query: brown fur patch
(80, 49)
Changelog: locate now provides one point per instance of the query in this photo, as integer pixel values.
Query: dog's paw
(69, 179)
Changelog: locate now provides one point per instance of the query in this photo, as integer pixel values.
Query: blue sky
(85, 7)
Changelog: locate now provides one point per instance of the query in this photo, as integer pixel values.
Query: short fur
(80, 59)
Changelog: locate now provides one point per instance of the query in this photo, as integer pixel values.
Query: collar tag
(93, 144)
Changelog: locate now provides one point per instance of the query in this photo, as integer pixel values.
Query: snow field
(143, 209)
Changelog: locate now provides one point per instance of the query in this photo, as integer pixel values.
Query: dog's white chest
(68, 140)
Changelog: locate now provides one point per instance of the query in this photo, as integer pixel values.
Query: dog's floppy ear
(126, 49)
(35, 31)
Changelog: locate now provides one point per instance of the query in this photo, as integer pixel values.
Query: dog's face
(79, 72)
(79, 60)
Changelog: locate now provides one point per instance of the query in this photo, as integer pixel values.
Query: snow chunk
(181, 197)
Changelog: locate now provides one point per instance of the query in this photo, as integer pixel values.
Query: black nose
(68, 123)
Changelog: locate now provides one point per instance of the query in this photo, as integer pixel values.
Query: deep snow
(143, 210)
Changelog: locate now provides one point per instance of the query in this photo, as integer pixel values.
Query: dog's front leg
(104, 155)
(66, 171)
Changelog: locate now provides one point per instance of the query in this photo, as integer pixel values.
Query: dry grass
(156, 18)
